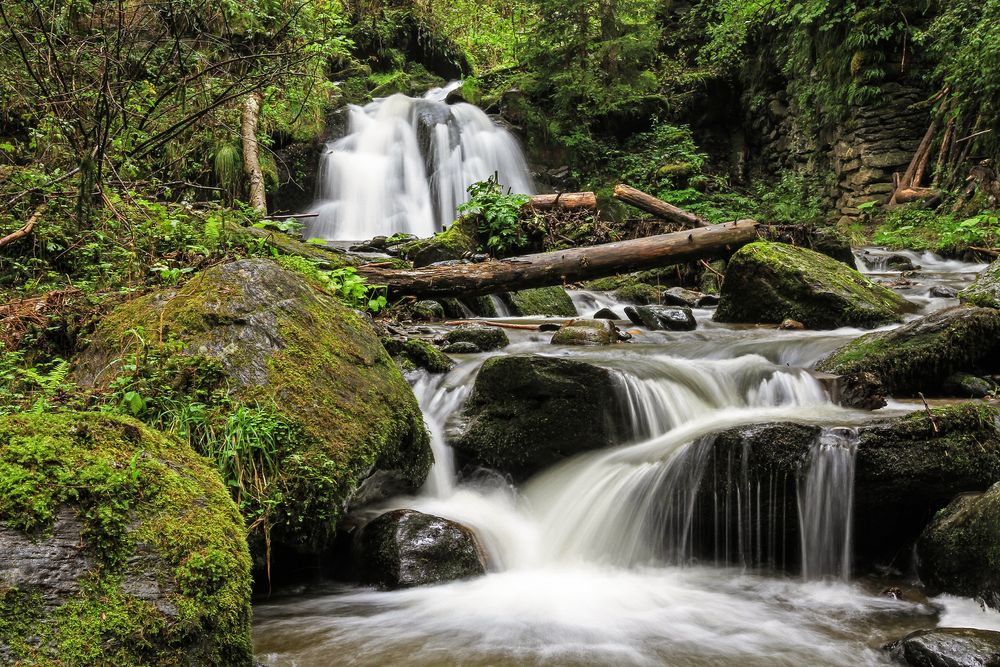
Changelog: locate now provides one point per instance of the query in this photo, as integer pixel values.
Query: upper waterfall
(405, 164)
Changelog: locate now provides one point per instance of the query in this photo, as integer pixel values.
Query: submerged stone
(947, 647)
(120, 545)
(528, 412)
(769, 282)
(669, 318)
(920, 355)
(606, 314)
(405, 548)
(959, 552)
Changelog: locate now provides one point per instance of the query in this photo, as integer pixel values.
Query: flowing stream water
(593, 562)
(404, 166)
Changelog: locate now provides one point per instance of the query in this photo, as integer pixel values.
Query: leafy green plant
(499, 215)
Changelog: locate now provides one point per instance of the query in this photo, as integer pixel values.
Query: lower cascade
(404, 166)
(717, 530)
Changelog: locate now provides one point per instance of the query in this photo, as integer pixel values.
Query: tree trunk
(563, 266)
(251, 155)
(566, 200)
(657, 207)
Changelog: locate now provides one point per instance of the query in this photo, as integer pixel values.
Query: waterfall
(825, 501)
(404, 166)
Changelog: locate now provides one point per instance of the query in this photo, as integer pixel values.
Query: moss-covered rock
(959, 552)
(984, 290)
(910, 467)
(528, 412)
(483, 337)
(427, 311)
(121, 547)
(452, 243)
(640, 293)
(289, 347)
(405, 548)
(947, 647)
(551, 301)
(920, 355)
(586, 332)
(822, 239)
(413, 353)
(769, 282)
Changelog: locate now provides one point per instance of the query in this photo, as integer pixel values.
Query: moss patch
(985, 290)
(769, 282)
(552, 301)
(921, 355)
(154, 515)
(452, 243)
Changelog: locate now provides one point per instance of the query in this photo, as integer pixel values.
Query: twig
(24, 231)
(709, 267)
(973, 135)
(934, 423)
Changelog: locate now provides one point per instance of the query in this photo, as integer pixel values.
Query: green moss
(452, 243)
(922, 354)
(552, 301)
(639, 293)
(414, 353)
(769, 282)
(483, 337)
(985, 290)
(146, 502)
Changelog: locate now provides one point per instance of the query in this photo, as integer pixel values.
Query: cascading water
(404, 166)
(584, 557)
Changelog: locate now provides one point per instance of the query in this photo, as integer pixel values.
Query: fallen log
(563, 266)
(567, 200)
(912, 194)
(502, 325)
(657, 207)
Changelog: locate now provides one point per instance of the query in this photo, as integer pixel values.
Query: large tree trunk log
(567, 200)
(251, 155)
(563, 266)
(657, 207)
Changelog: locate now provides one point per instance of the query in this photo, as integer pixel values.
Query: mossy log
(562, 266)
(657, 207)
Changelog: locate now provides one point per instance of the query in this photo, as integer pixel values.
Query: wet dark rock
(769, 282)
(959, 552)
(586, 332)
(413, 353)
(606, 314)
(706, 300)
(678, 296)
(863, 391)
(364, 247)
(405, 548)
(985, 290)
(900, 263)
(920, 355)
(379, 242)
(669, 318)
(484, 337)
(528, 412)
(549, 326)
(943, 292)
(461, 347)
(947, 647)
(966, 385)
(428, 310)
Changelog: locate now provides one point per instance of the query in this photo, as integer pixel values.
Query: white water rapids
(594, 561)
(404, 166)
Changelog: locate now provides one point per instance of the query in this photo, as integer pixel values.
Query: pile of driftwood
(699, 240)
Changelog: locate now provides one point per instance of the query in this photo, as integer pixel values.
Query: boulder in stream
(586, 332)
(542, 301)
(678, 296)
(921, 355)
(662, 318)
(606, 314)
(528, 412)
(766, 283)
(984, 290)
(121, 546)
(413, 353)
(959, 552)
(484, 337)
(947, 647)
(341, 409)
(405, 548)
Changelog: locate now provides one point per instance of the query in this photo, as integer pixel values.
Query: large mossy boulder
(405, 548)
(547, 301)
(586, 332)
(959, 552)
(769, 282)
(318, 367)
(825, 240)
(947, 647)
(121, 546)
(984, 290)
(921, 355)
(452, 243)
(528, 412)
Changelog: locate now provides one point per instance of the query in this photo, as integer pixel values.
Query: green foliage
(499, 215)
(344, 283)
(921, 229)
(31, 388)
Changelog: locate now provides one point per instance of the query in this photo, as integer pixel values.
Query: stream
(591, 560)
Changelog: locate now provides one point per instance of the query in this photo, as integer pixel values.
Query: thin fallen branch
(503, 325)
(26, 230)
